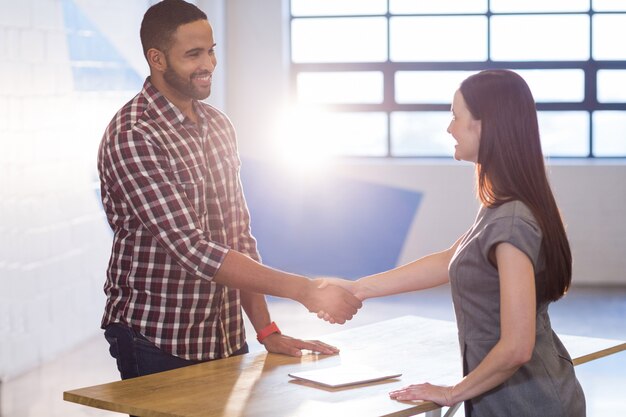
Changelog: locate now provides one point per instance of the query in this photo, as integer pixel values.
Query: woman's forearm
(427, 272)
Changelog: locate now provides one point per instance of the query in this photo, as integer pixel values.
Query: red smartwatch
(266, 331)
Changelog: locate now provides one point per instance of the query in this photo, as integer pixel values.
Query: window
(381, 73)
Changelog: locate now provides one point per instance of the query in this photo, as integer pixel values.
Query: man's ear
(156, 59)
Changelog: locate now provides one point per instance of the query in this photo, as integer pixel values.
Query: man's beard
(184, 86)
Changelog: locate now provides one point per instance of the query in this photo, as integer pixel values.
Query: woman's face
(465, 130)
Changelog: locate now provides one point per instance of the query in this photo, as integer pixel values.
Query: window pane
(564, 133)
(359, 134)
(439, 6)
(339, 40)
(612, 86)
(340, 87)
(609, 32)
(309, 132)
(421, 134)
(433, 87)
(513, 6)
(540, 38)
(609, 133)
(429, 38)
(609, 5)
(337, 7)
(566, 85)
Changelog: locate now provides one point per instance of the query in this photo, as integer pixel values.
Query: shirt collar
(164, 107)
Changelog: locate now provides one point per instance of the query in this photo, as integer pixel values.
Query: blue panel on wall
(330, 226)
(96, 63)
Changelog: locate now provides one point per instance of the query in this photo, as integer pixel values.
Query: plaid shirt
(172, 195)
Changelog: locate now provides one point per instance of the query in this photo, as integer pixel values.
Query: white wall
(257, 80)
(592, 197)
(52, 249)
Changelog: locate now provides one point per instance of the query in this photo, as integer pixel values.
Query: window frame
(388, 68)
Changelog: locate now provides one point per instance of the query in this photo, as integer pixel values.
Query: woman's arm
(517, 321)
(427, 272)
(517, 334)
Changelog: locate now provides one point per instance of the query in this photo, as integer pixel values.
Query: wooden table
(257, 384)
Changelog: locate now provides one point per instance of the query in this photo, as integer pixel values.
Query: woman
(505, 270)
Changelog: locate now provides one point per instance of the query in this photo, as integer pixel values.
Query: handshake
(333, 299)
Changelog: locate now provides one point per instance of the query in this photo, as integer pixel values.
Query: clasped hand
(335, 303)
(329, 313)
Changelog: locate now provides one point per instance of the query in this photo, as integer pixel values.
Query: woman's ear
(156, 59)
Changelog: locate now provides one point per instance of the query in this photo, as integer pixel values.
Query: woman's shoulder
(512, 209)
(511, 213)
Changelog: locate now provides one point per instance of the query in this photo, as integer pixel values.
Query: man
(183, 260)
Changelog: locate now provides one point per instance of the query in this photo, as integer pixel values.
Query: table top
(258, 385)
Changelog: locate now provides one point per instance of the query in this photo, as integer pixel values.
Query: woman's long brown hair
(511, 166)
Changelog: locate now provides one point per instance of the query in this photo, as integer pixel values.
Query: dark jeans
(136, 356)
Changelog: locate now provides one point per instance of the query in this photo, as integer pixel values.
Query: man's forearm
(239, 271)
(255, 306)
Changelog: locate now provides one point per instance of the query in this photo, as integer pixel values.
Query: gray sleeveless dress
(546, 386)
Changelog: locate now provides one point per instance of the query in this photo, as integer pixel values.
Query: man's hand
(348, 285)
(335, 301)
(279, 343)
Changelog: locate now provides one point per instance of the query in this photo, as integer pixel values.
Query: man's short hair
(161, 21)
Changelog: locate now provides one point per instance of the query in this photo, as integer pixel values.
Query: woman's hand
(425, 392)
